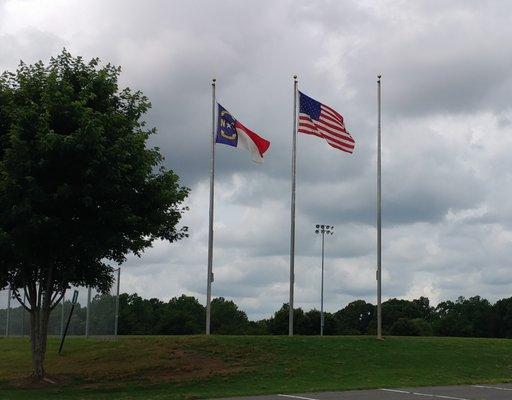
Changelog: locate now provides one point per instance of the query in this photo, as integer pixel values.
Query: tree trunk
(38, 337)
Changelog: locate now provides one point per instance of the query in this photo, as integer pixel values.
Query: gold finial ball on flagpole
(214, 80)
(295, 77)
(379, 76)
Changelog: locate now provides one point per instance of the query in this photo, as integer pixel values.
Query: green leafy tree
(183, 315)
(480, 313)
(411, 327)
(423, 309)
(502, 318)
(404, 327)
(278, 324)
(311, 323)
(424, 328)
(102, 314)
(138, 316)
(355, 318)
(258, 327)
(227, 319)
(465, 317)
(394, 309)
(330, 324)
(79, 187)
(450, 320)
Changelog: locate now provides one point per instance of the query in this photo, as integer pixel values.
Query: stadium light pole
(329, 230)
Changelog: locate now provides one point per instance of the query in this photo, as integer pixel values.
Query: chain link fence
(95, 313)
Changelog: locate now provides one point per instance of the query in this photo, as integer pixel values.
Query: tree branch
(31, 295)
(18, 297)
(55, 294)
(47, 289)
(52, 306)
(39, 295)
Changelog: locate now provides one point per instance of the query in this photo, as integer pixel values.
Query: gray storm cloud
(446, 135)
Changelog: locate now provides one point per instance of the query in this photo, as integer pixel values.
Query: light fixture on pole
(329, 230)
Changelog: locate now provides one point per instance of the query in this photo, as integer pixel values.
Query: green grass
(190, 367)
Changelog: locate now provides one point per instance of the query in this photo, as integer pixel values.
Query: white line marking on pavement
(396, 391)
(491, 387)
(439, 396)
(296, 397)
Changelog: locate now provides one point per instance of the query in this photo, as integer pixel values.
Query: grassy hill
(190, 367)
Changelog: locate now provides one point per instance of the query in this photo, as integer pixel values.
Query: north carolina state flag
(233, 133)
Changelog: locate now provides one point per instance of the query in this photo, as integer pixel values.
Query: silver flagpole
(209, 277)
(292, 214)
(322, 289)
(379, 218)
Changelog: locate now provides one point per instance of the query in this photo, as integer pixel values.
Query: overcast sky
(446, 124)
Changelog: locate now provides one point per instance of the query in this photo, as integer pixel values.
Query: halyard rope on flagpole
(209, 276)
(292, 208)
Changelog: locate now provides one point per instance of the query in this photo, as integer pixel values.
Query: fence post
(116, 321)
(62, 315)
(8, 321)
(23, 314)
(88, 313)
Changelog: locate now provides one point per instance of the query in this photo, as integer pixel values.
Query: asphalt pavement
(466, 392)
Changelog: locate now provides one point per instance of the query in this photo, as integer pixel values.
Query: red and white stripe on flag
(320, 120)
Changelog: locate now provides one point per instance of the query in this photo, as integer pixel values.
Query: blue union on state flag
(231, 132)
(320, 120)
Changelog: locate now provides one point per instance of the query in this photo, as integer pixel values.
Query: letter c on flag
(227, 136)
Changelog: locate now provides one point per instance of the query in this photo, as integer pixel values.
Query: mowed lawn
(190, 367)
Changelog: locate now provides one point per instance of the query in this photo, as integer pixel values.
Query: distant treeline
(475, 317)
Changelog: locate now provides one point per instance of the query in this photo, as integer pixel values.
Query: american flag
(320, 120)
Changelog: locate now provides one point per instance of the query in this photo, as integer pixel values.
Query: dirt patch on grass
(188, 365)
(136, 361)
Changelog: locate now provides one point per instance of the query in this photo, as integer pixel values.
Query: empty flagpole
(209, 277)
(322, 288)
(379, 217)
(292, 213)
